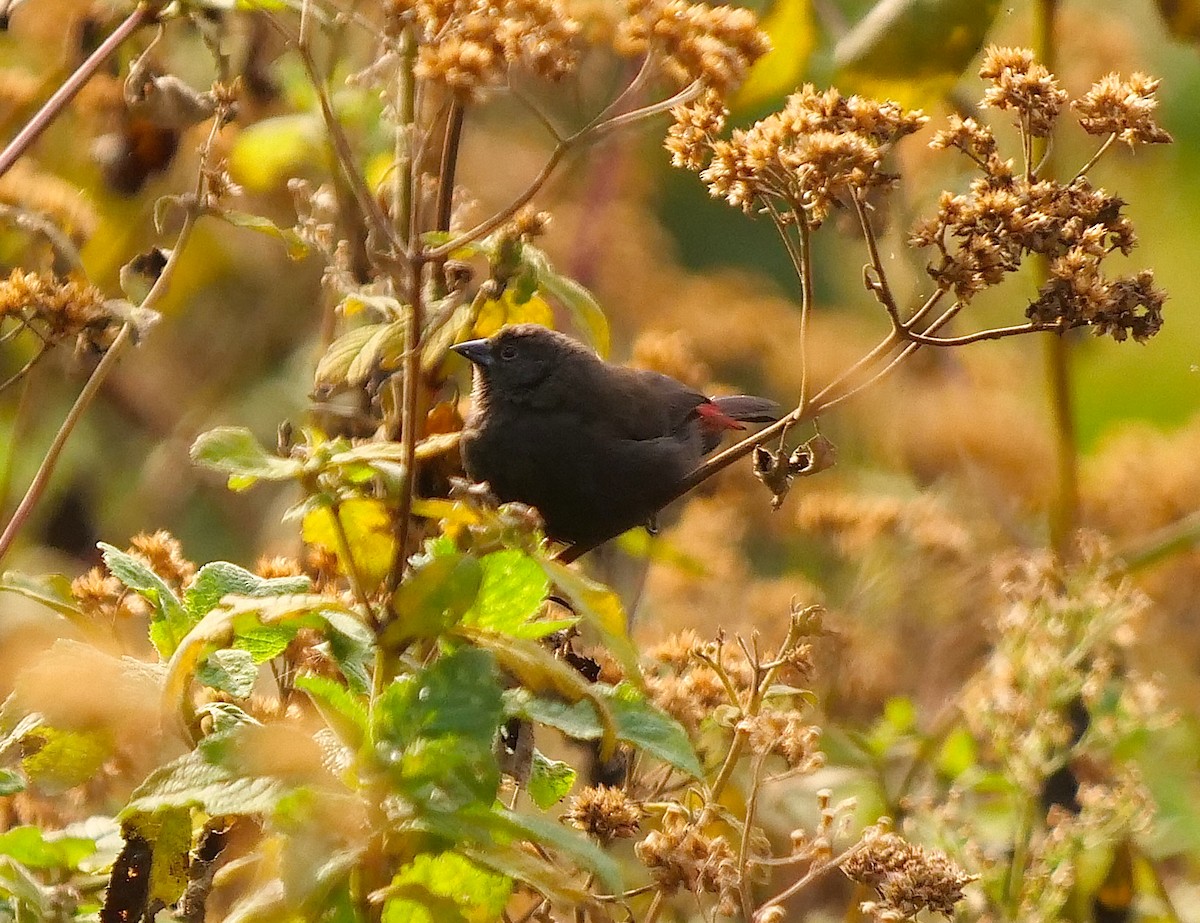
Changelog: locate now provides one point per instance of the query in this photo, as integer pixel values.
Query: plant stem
(409, 434)
(73, 84)
(40, 480)
(107, 363)
(406, 116)
(1064, 517)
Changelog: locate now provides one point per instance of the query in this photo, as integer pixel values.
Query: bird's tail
(748, 409)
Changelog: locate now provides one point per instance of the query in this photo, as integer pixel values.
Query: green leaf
(193, 782)
(460, 889)
(367, 525)
(169, 833)
(344, 711)
(220, 578)
(297, 249)
(586, 854)
(61, 759)
(37, 850)
(652, 730)
(53, 591)
(434, 596)
(11, 782)
(511, 593)
(382, 350)
(637, 722)
(31, 897)
(169, 623)
(792, 28)
(333, 369)
(585, 311)
(434, 731)
(263, 642)
(231, 671)
(540, 874)
(550, 781)
(459, 694)
(234, 451)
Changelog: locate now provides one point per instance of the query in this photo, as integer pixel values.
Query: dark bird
(596, 448)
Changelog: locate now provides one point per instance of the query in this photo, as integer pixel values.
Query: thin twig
(879, 285)
(587, 134)
(406, 116)
(43, 349)
(747, 830)
(366, 202)
(50, 110)
(107, 363)
(810, 876)
(1108, 142)
(409, 433)
(40, 480)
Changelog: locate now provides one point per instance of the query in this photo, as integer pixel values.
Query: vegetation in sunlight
(915, 648)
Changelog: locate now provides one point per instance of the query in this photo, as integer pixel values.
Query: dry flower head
(604, 812)
(820, 150)
(469, 46)
(714, 45)
(907, 877)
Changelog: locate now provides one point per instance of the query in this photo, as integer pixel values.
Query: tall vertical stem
(1064, 515)
(406, 117)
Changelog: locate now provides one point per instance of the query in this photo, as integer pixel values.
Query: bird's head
(519, 360)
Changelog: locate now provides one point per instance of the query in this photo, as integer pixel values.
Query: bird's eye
(508, 352)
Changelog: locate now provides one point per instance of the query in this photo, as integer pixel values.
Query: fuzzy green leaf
(220, 578)
(231, 671)
(511, 593)
(234, 451)
(550, 781)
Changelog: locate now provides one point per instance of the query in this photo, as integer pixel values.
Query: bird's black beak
(478, 351)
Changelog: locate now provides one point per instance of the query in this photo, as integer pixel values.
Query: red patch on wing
(713, 417)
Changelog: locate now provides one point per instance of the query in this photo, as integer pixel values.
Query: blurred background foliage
(944, 469)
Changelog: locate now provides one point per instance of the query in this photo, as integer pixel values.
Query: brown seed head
(606, 813)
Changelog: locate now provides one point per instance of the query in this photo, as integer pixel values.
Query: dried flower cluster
(681, 855)
(103, 598)
(788, 734)
(470, 45)
(1122, 107)
(1022, 86)
(908, 878)
(689, 689)
(817, 152)
(606, 813)
(1061, 640)
(55, 309)
(985, 233)
(696, 42)
(164, 555)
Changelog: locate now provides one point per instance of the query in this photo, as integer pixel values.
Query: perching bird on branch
(597, 448)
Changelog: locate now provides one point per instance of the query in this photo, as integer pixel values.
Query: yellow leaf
(793, 32)
(368, 528)
(496, 314)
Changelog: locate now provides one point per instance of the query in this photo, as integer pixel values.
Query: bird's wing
(646, 405)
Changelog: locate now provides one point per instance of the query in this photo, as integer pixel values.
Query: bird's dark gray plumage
(597, 448)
